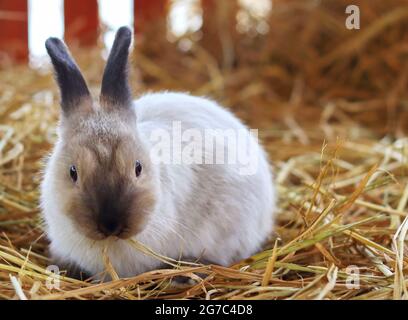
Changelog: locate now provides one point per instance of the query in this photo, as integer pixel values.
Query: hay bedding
(331, 108)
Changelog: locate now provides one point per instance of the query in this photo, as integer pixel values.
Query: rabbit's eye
(73, 173)
(138, 168)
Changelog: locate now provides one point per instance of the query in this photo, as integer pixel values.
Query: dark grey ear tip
(124, 32)
(115, 87)
(55, 47)
(124, 36)
(70, 80)
(52, 42)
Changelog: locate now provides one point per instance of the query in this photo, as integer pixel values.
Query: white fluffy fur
(208, 211)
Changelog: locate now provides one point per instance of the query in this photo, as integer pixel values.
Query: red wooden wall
(147, 11)
(14, 29)
(81, 22)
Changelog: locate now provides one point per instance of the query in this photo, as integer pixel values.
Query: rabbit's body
(199, 210)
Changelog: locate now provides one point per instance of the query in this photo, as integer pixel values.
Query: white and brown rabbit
(106, 180)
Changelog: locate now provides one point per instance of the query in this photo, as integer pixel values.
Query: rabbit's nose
(110, 227)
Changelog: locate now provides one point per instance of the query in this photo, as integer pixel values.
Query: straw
(330, 105)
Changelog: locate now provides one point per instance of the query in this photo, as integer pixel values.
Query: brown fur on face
(104, 146)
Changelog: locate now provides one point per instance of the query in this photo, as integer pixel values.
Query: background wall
(330, 103)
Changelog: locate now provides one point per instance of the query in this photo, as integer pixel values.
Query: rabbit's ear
(115, 87)
(72, 85)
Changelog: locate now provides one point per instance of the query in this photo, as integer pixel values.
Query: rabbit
(105, 181)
